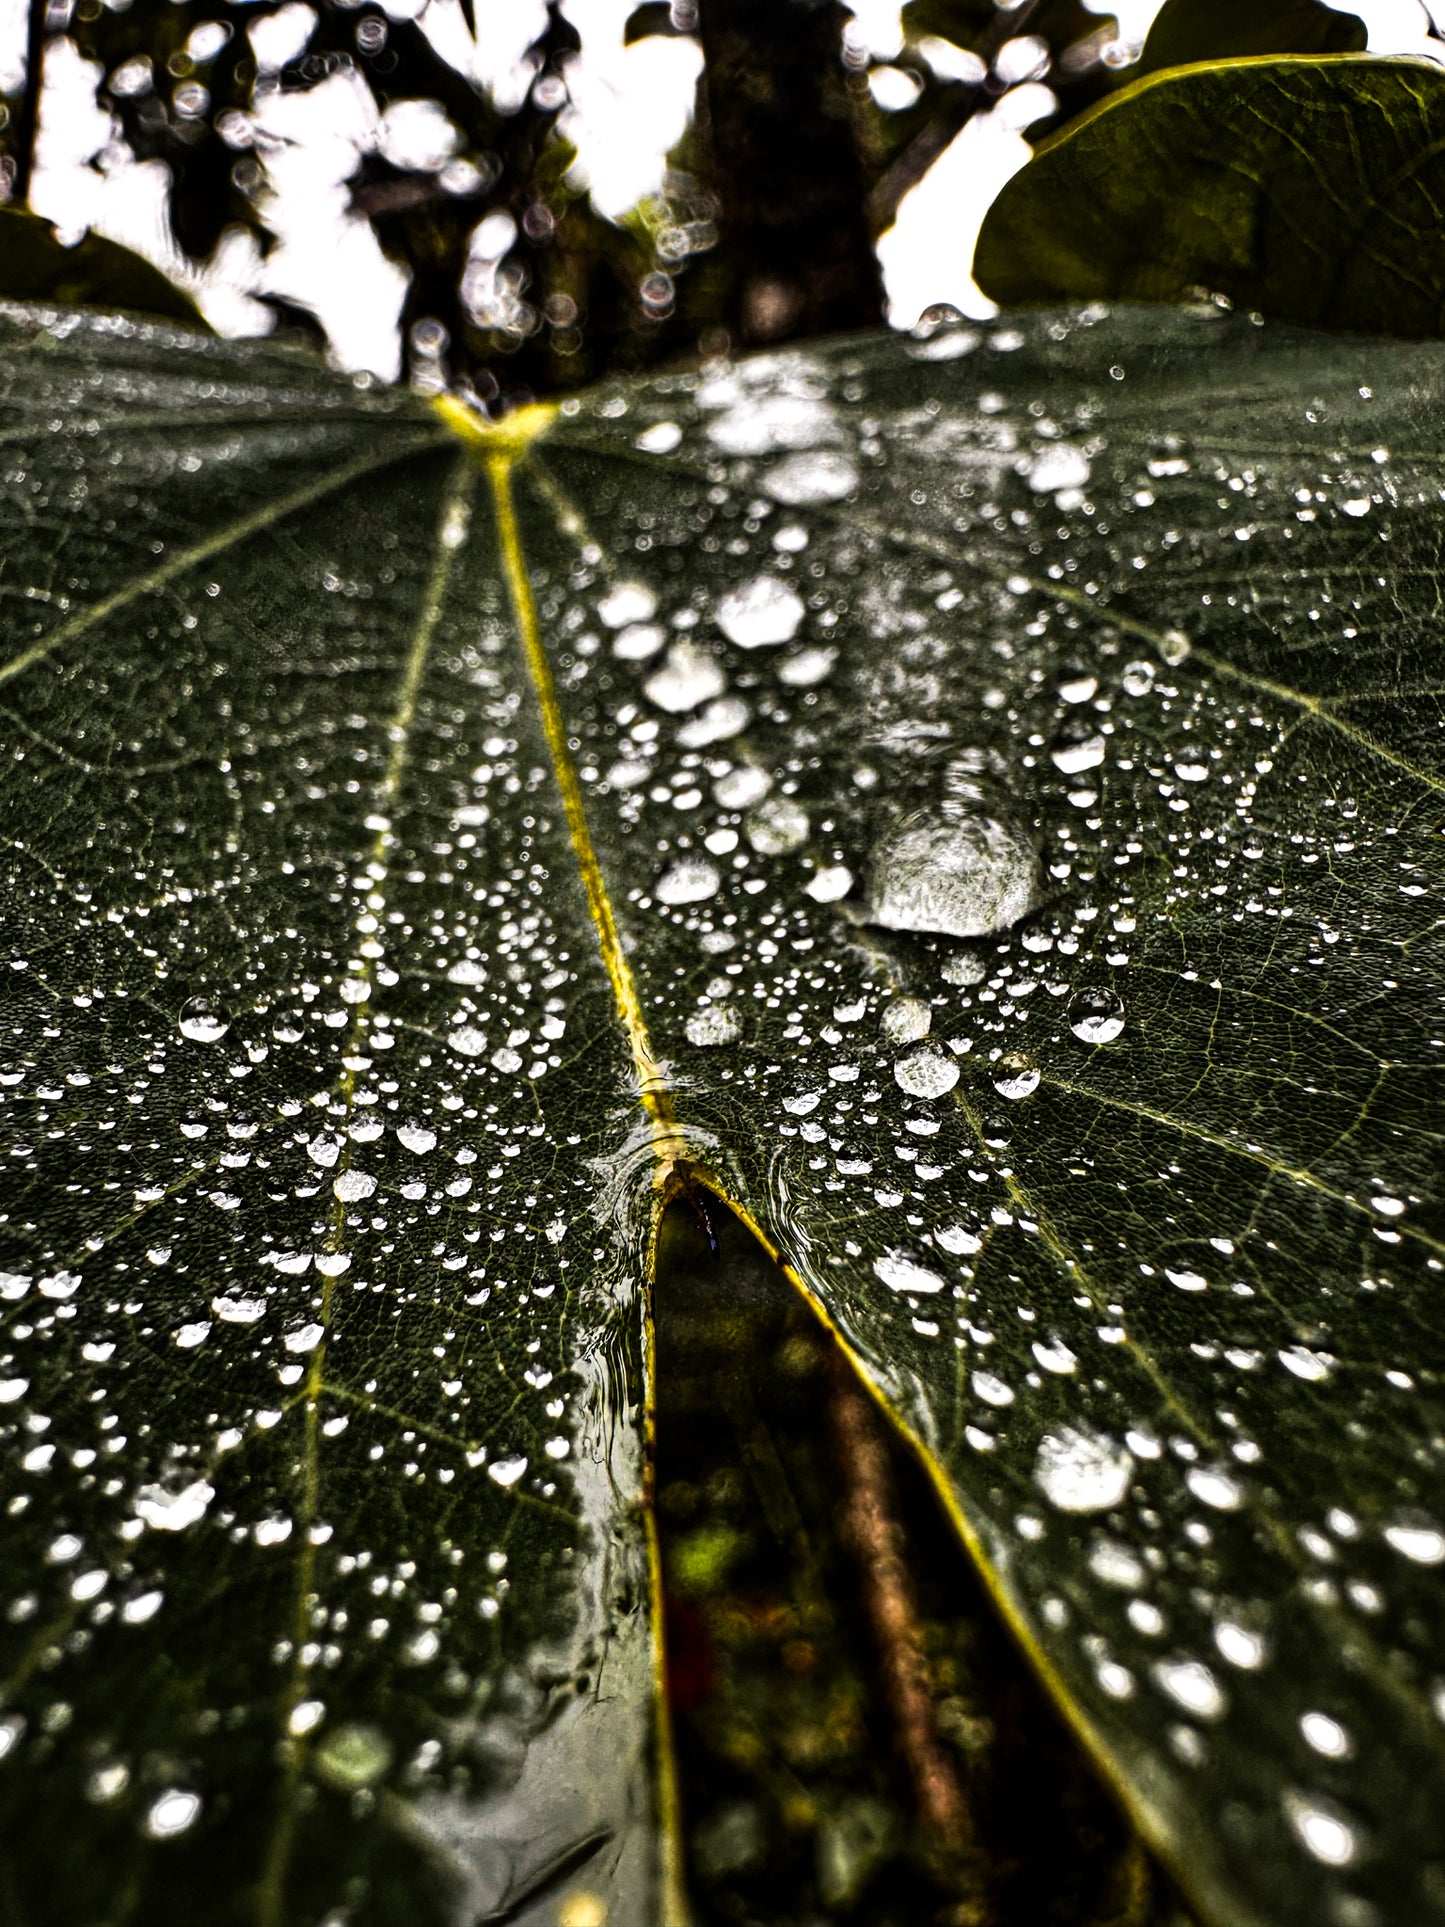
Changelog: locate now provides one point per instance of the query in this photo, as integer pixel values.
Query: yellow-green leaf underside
(418, 846)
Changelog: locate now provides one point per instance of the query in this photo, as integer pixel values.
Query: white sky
(628, 106)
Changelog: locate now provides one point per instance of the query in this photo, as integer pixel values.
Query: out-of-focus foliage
(1307, 189)
(564, 296)
(96, 273)
(1191, 30)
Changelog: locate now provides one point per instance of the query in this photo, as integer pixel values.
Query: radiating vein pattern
(319, 1365)
(1009, 764)
(1001, 753)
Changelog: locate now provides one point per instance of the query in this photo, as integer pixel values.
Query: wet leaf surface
(1303, 189)
(1004, 774)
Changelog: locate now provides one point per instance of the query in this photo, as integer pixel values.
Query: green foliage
(1186, 31)
(96, 273)
(1305, 189)
(1012, 764)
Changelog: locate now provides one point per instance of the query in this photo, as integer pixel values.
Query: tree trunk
(795, 235)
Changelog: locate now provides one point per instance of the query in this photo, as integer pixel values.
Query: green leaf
(977, 799)
(1305, 189)
(95, 273)
(1192, 30)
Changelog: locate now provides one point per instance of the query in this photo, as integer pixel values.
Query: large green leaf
(95, 273)
(980, 799)
(1305, 189)
(1189, 30)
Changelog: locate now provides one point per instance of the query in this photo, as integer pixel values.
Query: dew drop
(925, 1071)
(507, 1471)
(626, 602)
(172, 1812)
(953, 872)
(906, 1020)
(902, 1273)
(820, 475)
(204, 1021)
(1096, 1016)
(1190, 1684)
(1420, 1543)
(713, 1026)
(688, 678)
(829, 885)
(690, 880)
(1323, 1831)
(777, 826)
(760, 613)
(416, 1137)
(1014, 1077)
(1081, 1471)
(173, 1511)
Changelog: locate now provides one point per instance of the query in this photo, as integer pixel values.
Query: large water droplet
(687, 678)
(822, 475)
(1322, 1829)
(626, 602)
(925, 1071)
(173, 1511)
(1096, 1016)
(901, 1273)
(1081, 1471)
(759, 613)
(204, 1021)
(715, 1025)
(691, 879)
(954, 871)
(1190, 1684)
(1015, 1077)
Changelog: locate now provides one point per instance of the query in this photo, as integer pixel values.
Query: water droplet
(1059, 466)
(507, 1471)
(1073, 754)
(1138, 677)
(715, 1025)
(906, 1020)
(639, 642)
(742, 786)
(1055, 1356)
(1215, 1487)
(760, 613)
(204, 1021)
(1115, 1565)
(353, 1756)
(1422, 1543)
(820, 475)
(1015, 1077)
(1325, 1735)
(829, 885)
(661, 439)
(1191, 1685)
(955, 872)
(687, 678)
(352, 1186)
(239, 1311)
(468, 1040)
(1096, 1016)
(777, 826)
(1304, 1363)
(173, 1511)
(807, 668)
(1184, 1280)
(1081, 1471)
(1322, 1830)
(1240, 1646)
(925, 1071)
(992, 1390)
(692, 879)
(902, 1273)
(416, 1137)
(172, 1812)
(626, 602)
